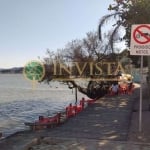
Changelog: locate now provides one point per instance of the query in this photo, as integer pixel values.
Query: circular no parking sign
(141, 34)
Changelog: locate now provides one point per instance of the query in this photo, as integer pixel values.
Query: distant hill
(12, 70)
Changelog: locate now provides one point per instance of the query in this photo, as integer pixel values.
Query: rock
(50, 141)
(35, 141)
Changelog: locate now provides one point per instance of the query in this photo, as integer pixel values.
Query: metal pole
(76, 95)
(140, 104)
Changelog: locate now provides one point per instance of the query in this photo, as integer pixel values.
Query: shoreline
(108, 107)
(42, 139)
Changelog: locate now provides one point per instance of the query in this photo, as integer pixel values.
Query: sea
(22, 100)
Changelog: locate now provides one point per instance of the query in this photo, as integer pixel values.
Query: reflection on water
(20, 103)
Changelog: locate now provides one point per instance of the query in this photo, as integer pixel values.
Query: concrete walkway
(108, 118)
(86, 144)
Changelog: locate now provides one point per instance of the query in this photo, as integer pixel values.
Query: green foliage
(126, 13)
(130, 12)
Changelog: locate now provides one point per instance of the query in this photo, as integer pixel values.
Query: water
(21, 101)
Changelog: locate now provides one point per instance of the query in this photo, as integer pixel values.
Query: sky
(29, 27)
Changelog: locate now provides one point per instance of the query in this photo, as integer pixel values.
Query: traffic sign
(140, 39)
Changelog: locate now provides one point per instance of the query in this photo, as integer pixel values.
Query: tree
(125, 13)
(86, 52)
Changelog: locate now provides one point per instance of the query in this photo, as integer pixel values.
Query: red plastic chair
(70, 111)
(131, 89)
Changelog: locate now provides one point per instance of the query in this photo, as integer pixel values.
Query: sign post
(141, 95)
(140, 45)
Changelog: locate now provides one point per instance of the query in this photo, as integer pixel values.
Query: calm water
(19, 103)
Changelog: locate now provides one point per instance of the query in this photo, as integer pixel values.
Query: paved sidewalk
(85, 144)
(109, 118)
(134, 134)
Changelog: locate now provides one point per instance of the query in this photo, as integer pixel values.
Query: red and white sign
(140, 39)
